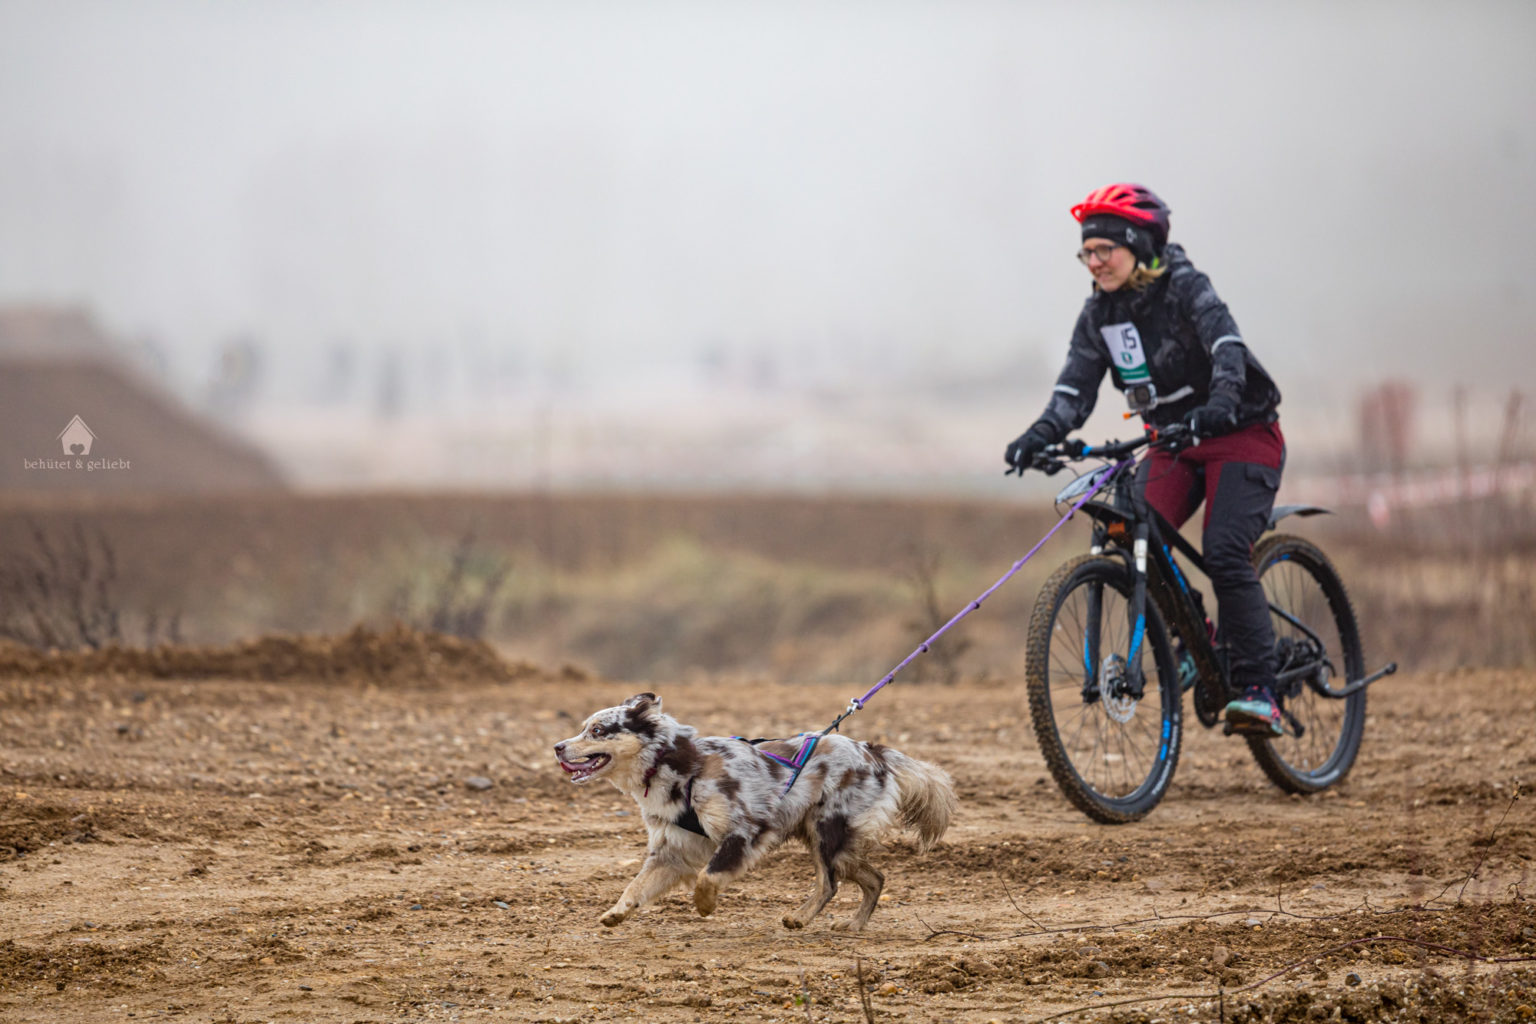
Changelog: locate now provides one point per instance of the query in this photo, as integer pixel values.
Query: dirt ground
(262, 851)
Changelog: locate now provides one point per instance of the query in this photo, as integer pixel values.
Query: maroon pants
(1236, 476)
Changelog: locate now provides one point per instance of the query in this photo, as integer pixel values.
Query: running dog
(714, 806)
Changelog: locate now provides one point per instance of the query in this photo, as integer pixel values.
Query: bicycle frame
(1126, 515)
(1106, 761)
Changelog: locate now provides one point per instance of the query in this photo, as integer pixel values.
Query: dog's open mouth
(584, 769)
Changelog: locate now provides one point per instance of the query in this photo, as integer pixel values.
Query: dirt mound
(48, 825)
(1237, 952)
(86, 965)
(1505, 996)
(395, 655)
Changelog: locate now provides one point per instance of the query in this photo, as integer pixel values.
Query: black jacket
(1176, 331)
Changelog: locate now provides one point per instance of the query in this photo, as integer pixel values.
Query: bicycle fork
(1136, 679)
(1092, 647)
(1110, 674)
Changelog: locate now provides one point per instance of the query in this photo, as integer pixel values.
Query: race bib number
(1125, 352)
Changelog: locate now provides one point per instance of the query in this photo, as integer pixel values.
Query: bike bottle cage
(1143, 397)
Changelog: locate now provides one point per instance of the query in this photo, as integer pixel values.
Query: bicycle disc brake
(1119, 700)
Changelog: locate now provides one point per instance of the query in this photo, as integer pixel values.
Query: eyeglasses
(1102, 253)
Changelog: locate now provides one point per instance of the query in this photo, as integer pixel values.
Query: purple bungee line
(858, 703)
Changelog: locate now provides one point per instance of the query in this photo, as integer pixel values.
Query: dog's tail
(925, 796)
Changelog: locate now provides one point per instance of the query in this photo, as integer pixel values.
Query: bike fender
(1281, 511)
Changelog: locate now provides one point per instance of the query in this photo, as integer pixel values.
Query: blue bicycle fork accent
(1177, 573)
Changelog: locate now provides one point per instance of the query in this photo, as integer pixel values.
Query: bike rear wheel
(1302, 585)
(1111, 747)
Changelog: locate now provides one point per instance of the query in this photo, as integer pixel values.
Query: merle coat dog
(715, 805)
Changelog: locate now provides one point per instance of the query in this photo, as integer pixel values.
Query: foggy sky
(611, 183)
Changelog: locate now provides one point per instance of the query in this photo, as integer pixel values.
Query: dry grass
(776, 588)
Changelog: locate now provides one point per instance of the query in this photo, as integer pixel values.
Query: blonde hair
(1145, 274)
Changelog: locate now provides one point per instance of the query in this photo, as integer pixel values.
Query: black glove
(1021, 453)
(1216, 417)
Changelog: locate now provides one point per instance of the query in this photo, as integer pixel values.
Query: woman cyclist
(1156, 324)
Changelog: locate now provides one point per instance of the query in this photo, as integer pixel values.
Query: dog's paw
(614, 917)
(793, 922)
(704, 895)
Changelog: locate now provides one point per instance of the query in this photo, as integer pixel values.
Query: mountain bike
(1117, 635)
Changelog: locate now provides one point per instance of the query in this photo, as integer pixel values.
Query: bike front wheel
(1103, 691)
(1314, 623)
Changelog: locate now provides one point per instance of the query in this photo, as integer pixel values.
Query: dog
(714, 806)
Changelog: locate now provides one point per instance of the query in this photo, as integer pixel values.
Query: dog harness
(689, 819)
(808, 741)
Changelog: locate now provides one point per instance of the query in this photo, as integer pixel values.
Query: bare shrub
(460, 603)
(921, 575)
(60, 592)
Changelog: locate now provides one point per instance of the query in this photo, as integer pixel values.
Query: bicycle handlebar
(1056, 457)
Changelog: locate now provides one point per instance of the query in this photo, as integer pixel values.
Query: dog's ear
(642, 704)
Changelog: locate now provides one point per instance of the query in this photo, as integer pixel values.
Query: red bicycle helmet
(1136, 203)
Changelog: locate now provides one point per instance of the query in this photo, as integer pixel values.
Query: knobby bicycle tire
(1113, 758)
(1299, 578)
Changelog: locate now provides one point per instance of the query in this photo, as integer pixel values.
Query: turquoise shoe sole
(1254, 717)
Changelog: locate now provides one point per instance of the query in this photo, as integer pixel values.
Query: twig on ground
(1009, 894)
(934, 933)
(864, 1003)
(1488, 844)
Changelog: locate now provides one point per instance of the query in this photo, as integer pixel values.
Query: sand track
(253, 851)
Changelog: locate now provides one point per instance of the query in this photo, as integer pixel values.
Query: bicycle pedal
(1252, 727)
